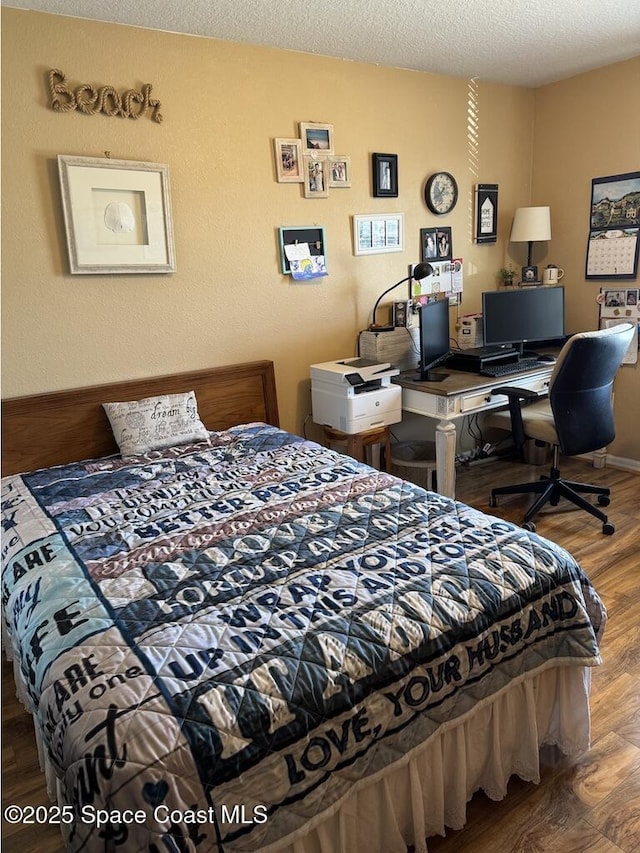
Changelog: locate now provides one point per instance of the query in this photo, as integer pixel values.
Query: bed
(250, 642)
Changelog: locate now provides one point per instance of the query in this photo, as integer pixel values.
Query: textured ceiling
(521, 42)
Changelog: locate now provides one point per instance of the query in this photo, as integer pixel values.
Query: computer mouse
(547, 358)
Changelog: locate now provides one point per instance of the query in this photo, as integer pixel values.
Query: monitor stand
(431, 377)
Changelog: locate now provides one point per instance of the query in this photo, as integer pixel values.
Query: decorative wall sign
(486, 218)
(117, 215)
(91, 100)
(612, 248)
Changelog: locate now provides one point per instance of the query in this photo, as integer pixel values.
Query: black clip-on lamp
(421, 270)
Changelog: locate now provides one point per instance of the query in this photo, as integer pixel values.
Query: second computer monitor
(524, 315)
(434, 337)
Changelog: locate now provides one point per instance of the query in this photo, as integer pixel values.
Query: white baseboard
(623, 464)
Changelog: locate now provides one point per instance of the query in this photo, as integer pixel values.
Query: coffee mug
(552, 275)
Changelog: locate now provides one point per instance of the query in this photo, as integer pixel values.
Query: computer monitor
(434, 339)
(525, 315)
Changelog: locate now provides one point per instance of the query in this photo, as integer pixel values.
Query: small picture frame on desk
(530, 276)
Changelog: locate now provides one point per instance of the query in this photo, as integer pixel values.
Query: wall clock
(441, 193)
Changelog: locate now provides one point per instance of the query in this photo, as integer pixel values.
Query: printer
(355, 394)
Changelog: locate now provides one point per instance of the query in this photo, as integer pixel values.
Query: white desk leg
(446, 458)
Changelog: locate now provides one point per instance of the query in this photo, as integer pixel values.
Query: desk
(458, 395)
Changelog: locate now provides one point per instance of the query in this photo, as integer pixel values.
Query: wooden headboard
(66, 426)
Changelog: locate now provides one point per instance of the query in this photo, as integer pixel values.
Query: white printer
(355, 394)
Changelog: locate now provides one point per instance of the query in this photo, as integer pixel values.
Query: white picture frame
(316, 177)
(117, 215)
(374, 234)
(317, 138)
(339, 171)
(289, 165)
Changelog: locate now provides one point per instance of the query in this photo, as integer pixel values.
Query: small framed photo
(316, 177)
(316, 138)
(486, 218)
(428, 246)
(385, 175)
(288, 154)
(117, 215)
(339, 171)
(444, 244)
(374, 234)
(530, 275)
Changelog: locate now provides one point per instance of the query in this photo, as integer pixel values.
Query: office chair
(577, 417)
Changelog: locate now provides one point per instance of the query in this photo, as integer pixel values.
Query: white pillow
(143, 425)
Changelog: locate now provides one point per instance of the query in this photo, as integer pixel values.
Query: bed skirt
(428, 790)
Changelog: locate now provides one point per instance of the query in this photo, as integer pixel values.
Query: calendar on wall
(612, 247)
(613, 254)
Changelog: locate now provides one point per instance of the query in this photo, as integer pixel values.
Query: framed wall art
(384, 169)
(374, 234)
(117, 215)
(316, 138)
(288, 155)
(486, 213)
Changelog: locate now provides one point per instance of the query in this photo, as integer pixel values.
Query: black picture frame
(529, 276)
(384, 169)
(428, 246)
(444, 244)
(486, 213)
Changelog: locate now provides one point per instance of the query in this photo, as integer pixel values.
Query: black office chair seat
(576, 418)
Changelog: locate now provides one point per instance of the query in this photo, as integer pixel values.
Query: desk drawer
(479, 400)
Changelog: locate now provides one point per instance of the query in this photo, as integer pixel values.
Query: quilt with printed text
(218, 640)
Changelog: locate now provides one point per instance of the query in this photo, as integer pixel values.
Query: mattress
(224, 643)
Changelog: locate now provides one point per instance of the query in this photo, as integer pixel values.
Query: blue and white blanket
(218, 640)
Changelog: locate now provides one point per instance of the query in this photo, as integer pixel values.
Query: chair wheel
(604, 500)
(608, 529)
(493, 502)
(530, 526)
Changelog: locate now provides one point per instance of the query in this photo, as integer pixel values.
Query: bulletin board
(447, 279)
(620, 305)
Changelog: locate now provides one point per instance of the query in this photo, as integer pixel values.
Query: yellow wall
(223, 104)
(588, 127)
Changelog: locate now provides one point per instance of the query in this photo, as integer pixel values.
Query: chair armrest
(513, 392)
(516, 397)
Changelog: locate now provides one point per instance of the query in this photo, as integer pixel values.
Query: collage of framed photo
(311, 161)
(436, 244)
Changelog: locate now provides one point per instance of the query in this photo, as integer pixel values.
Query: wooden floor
(592, 805)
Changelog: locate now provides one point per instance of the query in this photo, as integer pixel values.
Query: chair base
(550, 489)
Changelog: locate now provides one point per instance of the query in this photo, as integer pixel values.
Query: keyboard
(510, 368)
